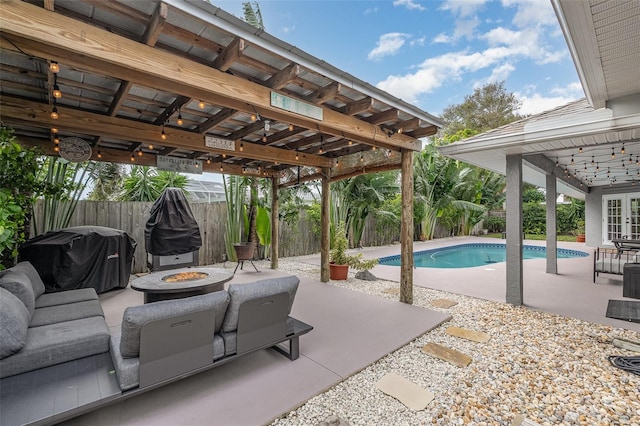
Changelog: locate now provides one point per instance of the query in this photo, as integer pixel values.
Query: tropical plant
(252, 15)
(107, 182)
(146, 184)
(71, 179)
(338, 253)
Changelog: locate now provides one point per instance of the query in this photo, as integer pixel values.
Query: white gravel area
(552, 370)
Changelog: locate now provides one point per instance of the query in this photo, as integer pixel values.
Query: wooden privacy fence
(131, 217)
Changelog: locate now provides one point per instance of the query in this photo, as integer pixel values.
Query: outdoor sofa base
(205, 332)
(612, 261)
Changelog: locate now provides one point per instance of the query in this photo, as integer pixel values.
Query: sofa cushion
(14, 322)
(19, 284)
(135, 317)
(36, 282)
(128, 369)
(69, 312)
(66, 297)
(230, 342)
(57, 343)
(241, 293)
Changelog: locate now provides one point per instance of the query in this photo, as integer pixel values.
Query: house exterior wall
(593, 211)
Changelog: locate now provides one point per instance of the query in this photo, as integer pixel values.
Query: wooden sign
(294, 105)
(180, 165)
(219, 143)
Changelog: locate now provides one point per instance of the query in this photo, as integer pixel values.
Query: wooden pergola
(182, 81)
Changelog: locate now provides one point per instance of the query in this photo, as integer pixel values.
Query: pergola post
(552, 240)
(406, 228)
(514, 230)
(275, 222)
(324, 224)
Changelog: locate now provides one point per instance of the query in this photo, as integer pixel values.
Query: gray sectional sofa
(40, 330)
(52, 338)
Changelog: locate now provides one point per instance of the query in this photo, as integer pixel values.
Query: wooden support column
(406, 228)
(552, 240)
(514, 230)
(324, 224)
(275, 222)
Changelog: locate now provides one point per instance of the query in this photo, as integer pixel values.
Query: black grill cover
(171, 228)
(81, 257)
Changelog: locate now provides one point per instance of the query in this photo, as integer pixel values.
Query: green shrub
(495, 224)
(534, 219)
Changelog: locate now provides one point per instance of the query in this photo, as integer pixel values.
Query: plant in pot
(339, 260)
(580, 231)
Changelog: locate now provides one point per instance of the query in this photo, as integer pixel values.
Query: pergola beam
(53, 36)
(17, 111)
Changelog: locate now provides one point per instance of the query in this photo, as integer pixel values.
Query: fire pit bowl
(179, 283)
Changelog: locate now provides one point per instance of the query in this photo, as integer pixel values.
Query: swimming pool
(476, 254)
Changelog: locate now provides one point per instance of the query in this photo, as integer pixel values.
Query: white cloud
(288, 29)
(463, 8)
(531, 13)
(371, 10)
(417, 42)
(526, 43)
(465, 28)
(388, 44)
(533, 102)
(501, 72)
(442, 38)
(409, 4)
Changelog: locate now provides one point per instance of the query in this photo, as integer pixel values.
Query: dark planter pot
(338, 272)
(244, 251)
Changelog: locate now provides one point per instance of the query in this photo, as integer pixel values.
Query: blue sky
(433, 53)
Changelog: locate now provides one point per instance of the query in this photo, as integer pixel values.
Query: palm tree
(107, 182)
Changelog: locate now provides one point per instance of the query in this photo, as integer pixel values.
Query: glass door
(621, 217)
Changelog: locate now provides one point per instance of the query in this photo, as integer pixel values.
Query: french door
(620, 217)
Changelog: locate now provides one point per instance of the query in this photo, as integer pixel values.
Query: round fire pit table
(179, 283)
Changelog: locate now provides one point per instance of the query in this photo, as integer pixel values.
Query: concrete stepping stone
(408, 393)
(447, 354)
(392, 290)
(443, 303)
(474, 336)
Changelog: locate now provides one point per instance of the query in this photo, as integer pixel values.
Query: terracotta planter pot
(580, 238)
(244, 251)
(338, 272)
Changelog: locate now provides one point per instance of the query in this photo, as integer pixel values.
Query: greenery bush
(495, 224)
(534, 219)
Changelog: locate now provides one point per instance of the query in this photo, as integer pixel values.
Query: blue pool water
(476, 254)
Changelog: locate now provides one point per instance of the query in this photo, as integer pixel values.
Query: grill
(172, 235)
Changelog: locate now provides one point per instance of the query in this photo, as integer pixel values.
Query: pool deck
(570, 293)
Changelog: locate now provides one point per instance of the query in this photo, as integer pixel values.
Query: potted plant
(580, 232)
(339, 260)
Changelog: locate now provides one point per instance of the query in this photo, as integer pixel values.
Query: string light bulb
(56, 139)
(361, 158)
(54, 112)
(254, 117)
(56, 148)
(180, 120)
(150, 146)
(374, 148)
(132, 158)
(201, 104)
(297, 156)
(241, 146)
(208, 160)
(54, 67)
(99, 154)
(56, 89)
(264, 138)
(291, 127)
(580, 150)
(593, 161)
(622, 150)
(139, 153)
(613, 154)
(163, 135)
(572, 160)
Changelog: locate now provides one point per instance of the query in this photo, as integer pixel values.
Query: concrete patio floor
(570, 293)
(351, 331)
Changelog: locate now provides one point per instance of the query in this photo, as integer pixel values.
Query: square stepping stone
(474, 336)
(447, 354)
(392, 290)
(443, 303)
(408, 393)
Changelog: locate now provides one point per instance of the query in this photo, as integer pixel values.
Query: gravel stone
(552, 370)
